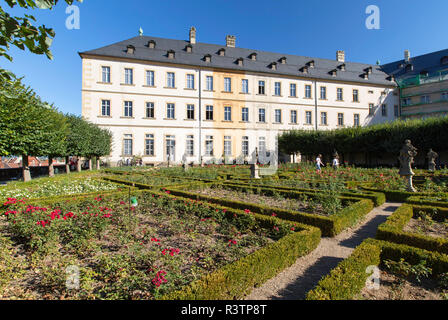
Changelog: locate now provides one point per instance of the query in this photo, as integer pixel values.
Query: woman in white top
(335, 163)
(319, 163)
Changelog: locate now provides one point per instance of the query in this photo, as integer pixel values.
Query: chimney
(192, 35)
(407, 55)
(230, 41)
(340, 56)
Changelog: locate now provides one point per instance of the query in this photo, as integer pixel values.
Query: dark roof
(430, 62)
(354, 71)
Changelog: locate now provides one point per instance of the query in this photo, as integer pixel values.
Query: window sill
(123, 117)
(146, 156)
(244, 93)
(146, 86)
(227, 121)
(191, 89)
(100, 82)
(189, 119)
(208, 120)
(262, 122)
(169, 119)
(105, 117)
(307, 124)
(355, 101)
(293, 123)
(308, 98)
(127, 84)
(169, 88)
(226, 91)
(292, 96)
(244, 121)
(277, 95)
(146, 118)
(323, 99)
(209, 91)
(261, 94)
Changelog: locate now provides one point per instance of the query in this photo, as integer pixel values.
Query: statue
(431, 160)
(407, 154)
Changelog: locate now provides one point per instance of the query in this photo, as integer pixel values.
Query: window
(323, 93)
(209, 83)
(356, 120)
(293, 116)
(170, 80)
(261, 115)
(278, 89)
(209, 113)
(308, 117)
(293, 90)
(150, 78)
(170, 147)
(340, 119)
(245, 146)
(190, 81)
(371, 109)
(384, 110)
(396, 111)
(262, 145)
(425, 99)
(128, 76)
(323, 118)
(128, 108)
(149, 110)
(209, 145)
(406, 101)
(105, 108)
(339, 94)
(227, 113)
(190, 111)
(190, 145)
(278, 116)
(149, 145)
(105, 74)
(261, 87)
(355, 95)
(245, 114)
(227, 85)
(308, 91)
(444, 96)
(227, 146)
(127, 145)
(170, 110)
(245, 86)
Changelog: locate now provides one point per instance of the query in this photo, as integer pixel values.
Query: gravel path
(294, 282)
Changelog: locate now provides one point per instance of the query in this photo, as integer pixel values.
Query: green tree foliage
(21, 33)
(376, 139)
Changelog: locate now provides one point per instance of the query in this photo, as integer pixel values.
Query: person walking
(319, 163)
(335, 163)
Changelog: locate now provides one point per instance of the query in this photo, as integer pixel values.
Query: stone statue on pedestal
(431, 160)
(407, 154)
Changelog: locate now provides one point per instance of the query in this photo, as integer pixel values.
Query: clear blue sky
(312, 28)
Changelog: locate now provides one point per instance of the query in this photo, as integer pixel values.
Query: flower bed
(355, 209)
(148, 251)
(348, 279)
(58, 186)
(394, 228)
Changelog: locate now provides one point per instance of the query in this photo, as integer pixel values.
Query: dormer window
(444, 60)
(189, 48)
(282, 60)
(130, 49)
(239, 62)
(310, 64)
(151, 44)
(409, 68)
(222, 52)
(304, 69)
(365, 76)
(208, 58)
(170, 54)
(391, 78)
(253, 56)
(334, 73)
(273, 66)
(424, 73)
(342, 67)
(368, 70)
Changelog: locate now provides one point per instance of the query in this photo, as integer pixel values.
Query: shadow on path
(298, 289)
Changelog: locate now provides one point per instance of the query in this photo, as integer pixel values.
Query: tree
(20, 32)
(78, 139)
(26, 126)
(100, 144)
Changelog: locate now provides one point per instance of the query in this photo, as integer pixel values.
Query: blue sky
(312, 28)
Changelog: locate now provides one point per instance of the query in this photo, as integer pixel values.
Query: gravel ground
(294, 282)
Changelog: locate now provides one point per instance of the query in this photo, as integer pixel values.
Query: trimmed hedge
(420, 200)
(395, 195)
(330, 226)
(392, 229)
(149, 187)
(349, 277)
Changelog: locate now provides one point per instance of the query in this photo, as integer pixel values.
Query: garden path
(294, 282)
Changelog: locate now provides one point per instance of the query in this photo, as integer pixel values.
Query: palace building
(185, 101)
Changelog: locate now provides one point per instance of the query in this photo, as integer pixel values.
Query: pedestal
(409, 187)
(254, 171)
